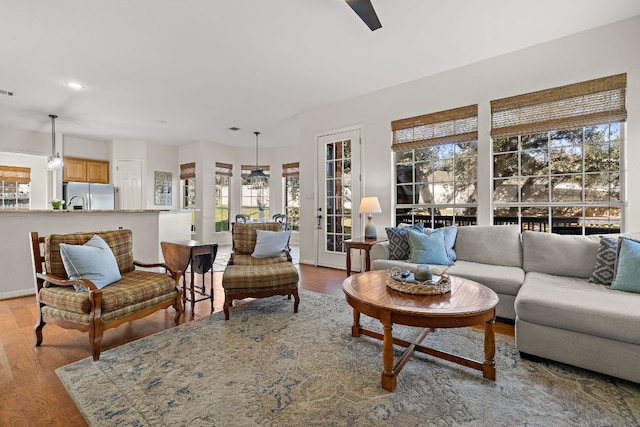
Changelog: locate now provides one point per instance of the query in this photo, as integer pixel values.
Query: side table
(179, 255)
(361, 243)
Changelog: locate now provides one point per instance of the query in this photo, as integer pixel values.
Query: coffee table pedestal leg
(489, 365)
(389, 376)
(355, 329)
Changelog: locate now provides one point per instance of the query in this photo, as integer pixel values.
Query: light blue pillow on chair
(270, 244)
(93, 261)
(428, 248)
(627, 275)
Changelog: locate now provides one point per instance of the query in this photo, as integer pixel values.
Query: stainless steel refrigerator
(82, 195)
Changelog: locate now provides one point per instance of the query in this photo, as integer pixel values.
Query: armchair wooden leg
(225, 307)
(96, 332)
(177, 305)
(296, 299)
(37, 329)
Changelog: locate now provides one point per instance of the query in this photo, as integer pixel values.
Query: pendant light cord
(257, 133)
(53, 134)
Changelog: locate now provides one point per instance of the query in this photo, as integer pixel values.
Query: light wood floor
(31, 393)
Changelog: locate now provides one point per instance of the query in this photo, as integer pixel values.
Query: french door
(338, 195)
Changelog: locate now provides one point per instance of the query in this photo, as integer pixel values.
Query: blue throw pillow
(427, 248)
(627, 276)
(398, 243)
(93, 261)
(270, 244)
(450, 234)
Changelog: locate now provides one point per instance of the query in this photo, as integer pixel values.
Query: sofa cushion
(575, 304)
(490, 244)
(92, 261)
(134, 288)
(627, 271)
(398, 241)
(558, 254)
(502, 279)
(120, 242)
(450, 234)
(605, 261)
(427, 248)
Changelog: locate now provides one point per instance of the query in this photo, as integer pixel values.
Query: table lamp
(370, 205)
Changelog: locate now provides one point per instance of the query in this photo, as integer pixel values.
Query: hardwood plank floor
(30, 391)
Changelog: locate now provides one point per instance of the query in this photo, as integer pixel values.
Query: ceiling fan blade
(364, 9)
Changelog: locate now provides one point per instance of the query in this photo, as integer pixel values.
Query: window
(188, 175)
(255, 199)
(223, 187)
(436, 167)
(291, 178)
(556, 158)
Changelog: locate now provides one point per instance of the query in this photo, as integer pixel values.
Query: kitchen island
(149, 227)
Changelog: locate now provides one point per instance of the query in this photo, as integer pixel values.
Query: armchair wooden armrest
(49, 278)
(174, 273)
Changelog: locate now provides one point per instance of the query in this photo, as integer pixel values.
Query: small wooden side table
(179, 254)
(361, 243)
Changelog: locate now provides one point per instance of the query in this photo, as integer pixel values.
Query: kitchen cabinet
(85, 170)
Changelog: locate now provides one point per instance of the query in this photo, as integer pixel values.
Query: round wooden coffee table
(467, 304)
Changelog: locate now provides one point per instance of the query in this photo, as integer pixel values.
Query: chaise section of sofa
(562, 316)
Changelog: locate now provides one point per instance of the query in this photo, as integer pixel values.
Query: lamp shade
(370, 205)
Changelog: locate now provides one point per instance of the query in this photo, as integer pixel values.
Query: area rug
(267, 366)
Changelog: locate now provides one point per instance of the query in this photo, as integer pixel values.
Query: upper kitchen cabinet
(85, 170)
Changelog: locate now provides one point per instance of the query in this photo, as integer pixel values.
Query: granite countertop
(81, 211)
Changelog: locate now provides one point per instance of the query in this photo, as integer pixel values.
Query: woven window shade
(457, 125)
(224, 169)
(291, 169)
(15, 173)
(187, 170)
(566, 107)
(246, 169)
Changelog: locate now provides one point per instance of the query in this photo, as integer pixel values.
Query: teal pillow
(270, 244)
(627, 276)
(450, 234)
(427, 248)
(93, 261)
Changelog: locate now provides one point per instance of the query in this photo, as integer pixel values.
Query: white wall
(580, 57)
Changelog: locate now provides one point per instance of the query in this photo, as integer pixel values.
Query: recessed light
(164, 122)
(75, 85)
(234, 128)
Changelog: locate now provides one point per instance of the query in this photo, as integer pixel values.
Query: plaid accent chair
(137, 294)
(246, 276)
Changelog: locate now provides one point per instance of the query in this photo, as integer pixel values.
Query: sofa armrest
(379, 251)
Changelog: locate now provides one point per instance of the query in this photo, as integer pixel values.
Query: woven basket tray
(415, 287)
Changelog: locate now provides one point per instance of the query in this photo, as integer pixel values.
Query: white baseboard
(15, 294)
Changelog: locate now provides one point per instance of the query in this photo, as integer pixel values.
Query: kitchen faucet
(71, 200)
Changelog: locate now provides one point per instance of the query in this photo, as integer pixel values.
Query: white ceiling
(206, 65)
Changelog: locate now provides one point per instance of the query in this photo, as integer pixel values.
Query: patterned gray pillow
(603, 272)
(398, 241)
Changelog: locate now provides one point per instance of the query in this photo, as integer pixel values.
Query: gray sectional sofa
(542, 280)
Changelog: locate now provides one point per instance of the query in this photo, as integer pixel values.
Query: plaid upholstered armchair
(259, 268)
(136, 294)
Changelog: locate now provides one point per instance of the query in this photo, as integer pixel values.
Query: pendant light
(55, 161)
(257, 176)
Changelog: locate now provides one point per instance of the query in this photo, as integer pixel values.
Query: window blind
(575, 105)
(15, 173)
(246, 169)
(224, 169)
(187, 170)
(291, 169)
(456, 125)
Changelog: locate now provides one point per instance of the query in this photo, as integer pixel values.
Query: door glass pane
(338, 196)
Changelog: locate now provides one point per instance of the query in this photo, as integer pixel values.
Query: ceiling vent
(6, 92)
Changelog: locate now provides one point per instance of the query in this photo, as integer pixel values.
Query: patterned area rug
(269, 367)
